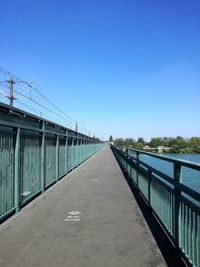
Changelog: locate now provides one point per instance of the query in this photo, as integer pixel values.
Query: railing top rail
(185, 163)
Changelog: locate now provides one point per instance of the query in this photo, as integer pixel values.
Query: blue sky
(126, 68)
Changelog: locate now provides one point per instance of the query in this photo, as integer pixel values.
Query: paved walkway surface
(89, 218)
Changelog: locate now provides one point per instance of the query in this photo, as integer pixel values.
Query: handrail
(174, 204)
(185, 163)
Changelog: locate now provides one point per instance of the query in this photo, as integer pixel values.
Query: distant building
(163, 148)
(159, 149)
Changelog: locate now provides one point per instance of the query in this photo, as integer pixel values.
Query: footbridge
(67, 199)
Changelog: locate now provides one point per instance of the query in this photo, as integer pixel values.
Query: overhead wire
(31, 86)
(51, 103)
(44, 107)
(17, 79)
(27, 106)
(35, 89)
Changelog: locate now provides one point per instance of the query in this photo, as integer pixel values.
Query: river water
(189, 177)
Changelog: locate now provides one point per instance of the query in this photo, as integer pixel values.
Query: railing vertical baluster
(17, 166)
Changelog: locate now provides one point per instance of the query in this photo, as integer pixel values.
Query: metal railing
(34, 154)
(175, 205)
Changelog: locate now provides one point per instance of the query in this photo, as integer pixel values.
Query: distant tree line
(175, 145)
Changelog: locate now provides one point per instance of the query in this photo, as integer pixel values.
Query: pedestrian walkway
(89, 218)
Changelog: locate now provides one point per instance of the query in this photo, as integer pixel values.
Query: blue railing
(175, 205)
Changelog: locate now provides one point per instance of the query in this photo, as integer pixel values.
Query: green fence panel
(50, 160)
(62, 157)
(6, 172)
(69, 155)
(75, 154)
(143, 184)
(189, 232)
(30, 182)
(162, 201)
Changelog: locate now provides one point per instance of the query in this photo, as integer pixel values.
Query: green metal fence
(34, 154)
(174, 204)
(6, 171)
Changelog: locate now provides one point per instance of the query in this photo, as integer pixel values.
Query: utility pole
(76, 127)
(11, 97)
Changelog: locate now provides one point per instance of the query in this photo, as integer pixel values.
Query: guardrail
(34, 154)
(175, 205)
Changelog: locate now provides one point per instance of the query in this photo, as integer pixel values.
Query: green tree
(119, 142)
(129, 142)
(111, 138)
(175, 149)
(141, 140)
(155, 142)
(139, 146)
(195, 141)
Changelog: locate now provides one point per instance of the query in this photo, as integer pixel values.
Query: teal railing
(175, 205)
(34, 154)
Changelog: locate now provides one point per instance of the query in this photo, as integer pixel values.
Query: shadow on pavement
(169, 252)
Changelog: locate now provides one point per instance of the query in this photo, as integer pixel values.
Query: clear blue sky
(128, 68)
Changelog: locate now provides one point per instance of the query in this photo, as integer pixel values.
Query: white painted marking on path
(72, 220)
(74, 212)
(94, 180)
(73, 216)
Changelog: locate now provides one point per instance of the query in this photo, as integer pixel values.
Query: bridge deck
(89, 218)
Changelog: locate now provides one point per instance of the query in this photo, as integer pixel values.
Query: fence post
(57, 158)
(82, 147)
(76, 150)
(137, 159)
(177, 195)
(16, 175)
(43, 157)
(72, 153)
(126, 163)
(66, 152)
